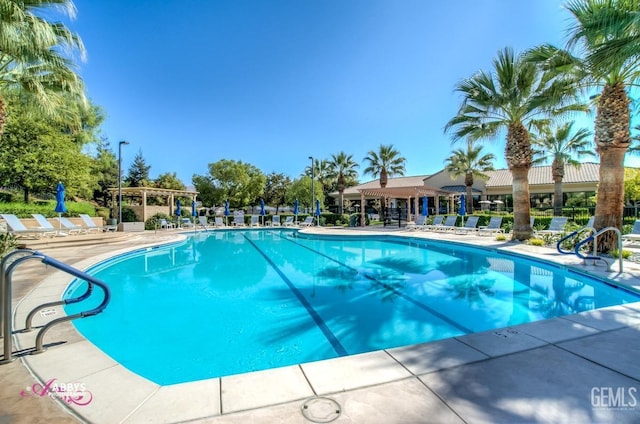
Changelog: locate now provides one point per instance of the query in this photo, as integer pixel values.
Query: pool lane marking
(390, 288)
(333, 340)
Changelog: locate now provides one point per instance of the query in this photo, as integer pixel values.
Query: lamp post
(120, 182)
(313, 177)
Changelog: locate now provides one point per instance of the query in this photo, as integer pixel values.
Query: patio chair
(420, 222)
(275, 221)
(218, 222)
(308, 222)
(437, 221)
(469, 226)
(634, 235)
(202, 222)
(449, 224)
(44, 224)
(255, 221)
(494, 227)
(288, 222)
(166, 225)
(91, 226)
(238, 219)
(556, 226)
(186, 223)
(17, 228)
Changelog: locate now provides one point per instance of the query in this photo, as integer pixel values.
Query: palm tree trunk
(557, 169)
(468, 181)
(3, 115)
(521, 203)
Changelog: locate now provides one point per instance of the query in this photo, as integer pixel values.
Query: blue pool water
(229, 302)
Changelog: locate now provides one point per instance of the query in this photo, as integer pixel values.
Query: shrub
(152, 223)
(8, 242)
(536, 242)
(128, 215)
(626, 254)
(501, 237)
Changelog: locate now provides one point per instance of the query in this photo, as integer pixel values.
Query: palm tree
(560, 146)
(386, 162)
(515, 95)
(606, 33)
(31, 57)
(469, 163)
(344, 170)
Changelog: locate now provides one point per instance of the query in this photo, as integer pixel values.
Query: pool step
(75, 240)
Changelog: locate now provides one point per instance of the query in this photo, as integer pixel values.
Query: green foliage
(626, 254)
(138, 175)
(153, 222)
(301, 189)
(631, 185)
(537, 242)
(128, 215)
(241, 183)
(501, 237)
(8, 242)
(6, 197)
(46, 208)
(275, 189)
(169, 180)
(105, 170)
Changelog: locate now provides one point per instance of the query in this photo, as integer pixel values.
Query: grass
(46, 208)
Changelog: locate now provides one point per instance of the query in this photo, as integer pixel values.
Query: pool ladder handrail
(8, 265)
(593, 237)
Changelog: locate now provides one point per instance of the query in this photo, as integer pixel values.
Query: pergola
(144, 192)
(407, 192)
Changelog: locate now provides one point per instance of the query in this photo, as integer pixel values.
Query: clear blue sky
(270, 83)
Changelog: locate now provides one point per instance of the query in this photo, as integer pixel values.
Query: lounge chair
(166, 225)
(238, 219)
(449, 224)
(218, 222)
(16, 227)
(308, 222)
(469, 226)
(88, 222)
(202, 222)
(494, 227)
(420, 222)
(437, 221)
(70, 227)
(255, 221)
(186, 223)
(556, 226)
(288, 222)
(275, 221)
(634, 235)
(44, 224)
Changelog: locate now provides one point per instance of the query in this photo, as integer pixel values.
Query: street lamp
(313, 177)
(120, 182)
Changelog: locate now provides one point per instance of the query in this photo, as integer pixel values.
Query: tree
(105, 169)
(515, 95)
(170, 181)
(275, 189)
(236, 181)
(300, 189)
(31, 57)
(631, 186)
(138, 175)
(386, 162)
(470, 163)
(343, 169)
(559, 146)
(322, 177)
(206, 190)
(605, 32)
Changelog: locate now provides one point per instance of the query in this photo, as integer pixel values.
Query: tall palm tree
(606, 33)
(386, 162)
(516, 96)
(31, 56)
(470, 163)
(560, 146)
(322, 173)
(343, 169)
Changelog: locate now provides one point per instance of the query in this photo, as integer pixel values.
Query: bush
(128, 215)
(536, 242)
(46, 208)
(152, 223)
(8, 242)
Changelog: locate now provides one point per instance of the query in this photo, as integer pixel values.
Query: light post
(313, 177)
(120, 182)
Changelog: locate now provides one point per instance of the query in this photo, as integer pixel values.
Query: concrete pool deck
(577, 368)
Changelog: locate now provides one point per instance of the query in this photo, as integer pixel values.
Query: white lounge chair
(202, 222)
(186, 223)
(449, 224)
(238, 219)
(70, 227)
(218, 222)
(308, 222)
(420, 221)
(275, 221)
(437, 221)
(494, 227)
(255, 221)
(44, 224)
(17, 228)
(634, 235)
(469, 227)
(91, 226)
(166, 224)
(556, 226)
(288, 222)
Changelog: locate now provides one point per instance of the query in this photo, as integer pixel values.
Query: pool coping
(143, 400)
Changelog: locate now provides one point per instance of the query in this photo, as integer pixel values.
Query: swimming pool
(228, 302)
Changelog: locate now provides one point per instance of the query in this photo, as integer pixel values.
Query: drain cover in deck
(321, 410)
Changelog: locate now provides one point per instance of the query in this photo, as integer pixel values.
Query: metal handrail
(7, 271)
(571, 235)
(594, 238)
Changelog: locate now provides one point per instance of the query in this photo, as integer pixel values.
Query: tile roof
(587, 172)
(413, 181)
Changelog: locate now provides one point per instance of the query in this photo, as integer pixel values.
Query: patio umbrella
(194, 213)
(318, 211)
(463, 207)
(295, 209)
(262, 210)
(227, 212)
(425, 206)
(60, 206)
(178, 211)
